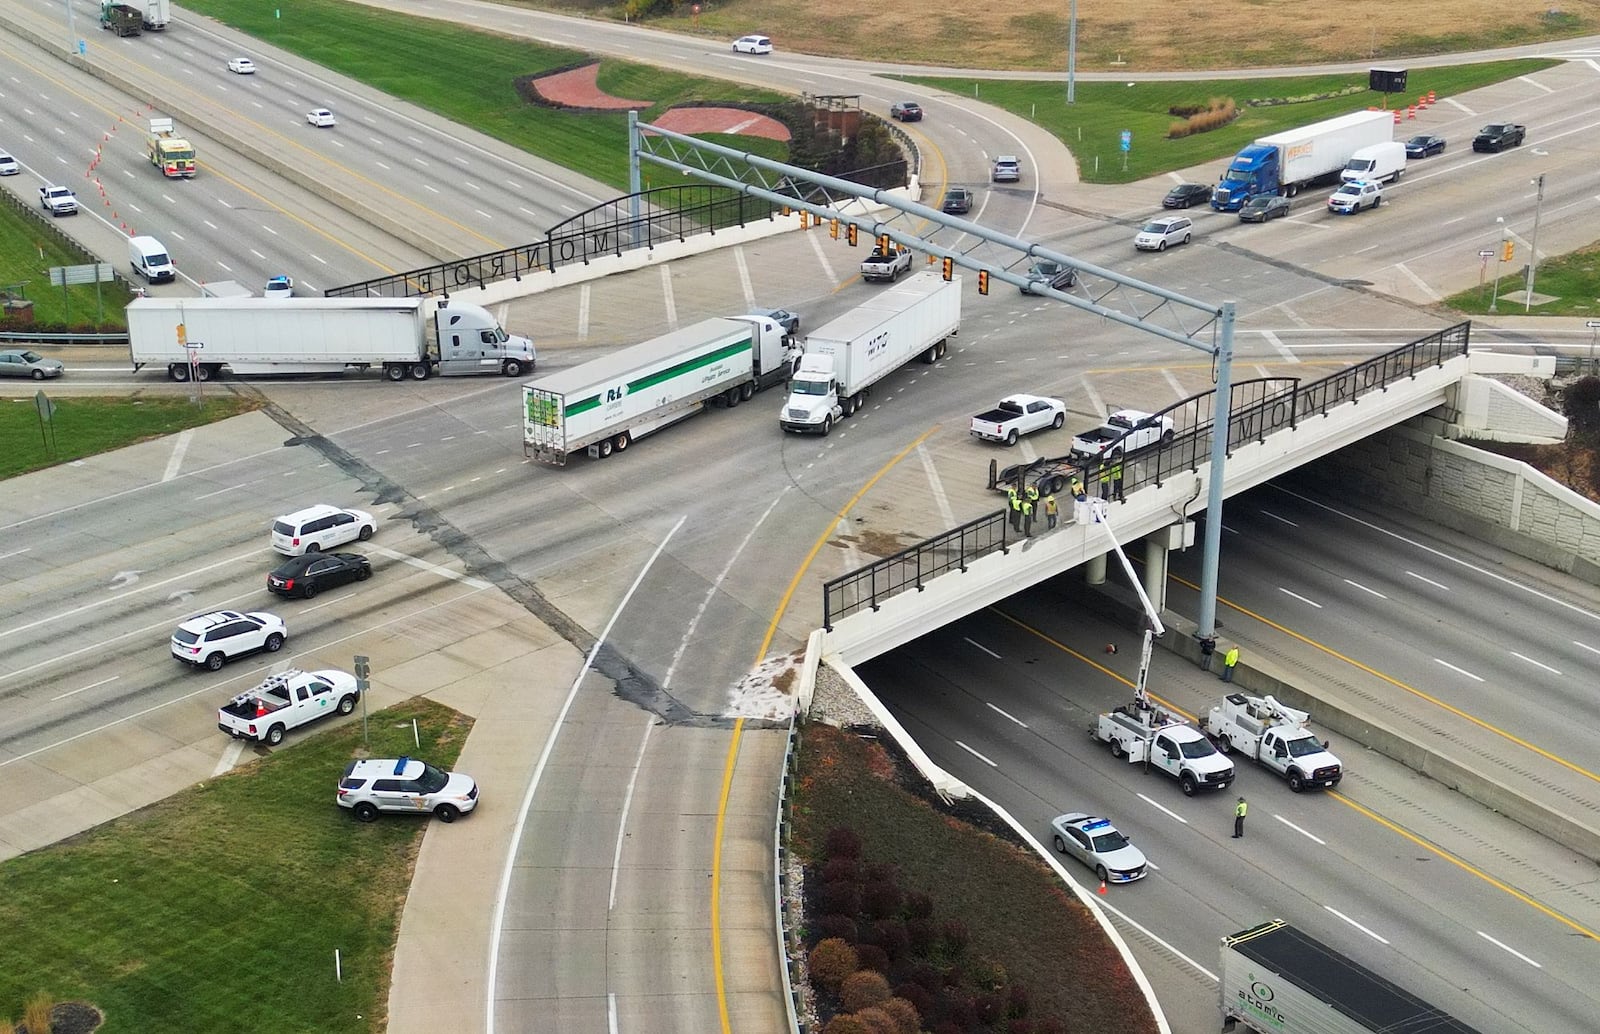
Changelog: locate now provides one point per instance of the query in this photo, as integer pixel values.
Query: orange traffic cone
(1102, 886)
(1397, 116)
(1432, 97)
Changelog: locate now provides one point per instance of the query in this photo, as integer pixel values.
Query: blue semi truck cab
(1254, 170)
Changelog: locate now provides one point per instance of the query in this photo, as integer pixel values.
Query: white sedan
(8, 165)
(752, 45)
(241, 66)
(1098, 844)
(322, 118)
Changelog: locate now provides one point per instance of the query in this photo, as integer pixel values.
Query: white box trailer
(1285, 162)
(157, 13)
(1278, 980)
(847, 356)
(604, 405)
(405, 337)
(226, 289)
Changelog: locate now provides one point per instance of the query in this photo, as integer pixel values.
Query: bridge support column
(1155, 571)
(1094, 571)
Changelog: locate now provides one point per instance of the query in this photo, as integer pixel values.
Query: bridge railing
(1260, 408)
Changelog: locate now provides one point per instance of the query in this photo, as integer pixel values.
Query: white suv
(405, 785)
(319, 527)
(1355, 195)
(211, 640)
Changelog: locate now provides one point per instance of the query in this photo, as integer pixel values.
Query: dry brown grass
(1150, 35)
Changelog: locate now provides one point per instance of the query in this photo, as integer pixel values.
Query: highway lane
(1001, 700)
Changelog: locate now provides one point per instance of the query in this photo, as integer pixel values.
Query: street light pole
(1533, 245)
(1494, 300)
(1072, 52)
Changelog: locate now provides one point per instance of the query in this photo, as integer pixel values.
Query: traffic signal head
(983, 281)
(949, 268)
(805, 220)
(883, 242)
(850, 232)
(1507, 249)
(833, 228)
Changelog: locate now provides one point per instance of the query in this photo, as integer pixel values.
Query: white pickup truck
(286, 701)
(1144, 734)
(1017, 415)
(1125, 432)
(886, 265)
(1276, 736)
(58, 200)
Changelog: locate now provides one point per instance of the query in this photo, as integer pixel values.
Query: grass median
(28, 250)
(1567, 285)
(221, 907)
(82, 427)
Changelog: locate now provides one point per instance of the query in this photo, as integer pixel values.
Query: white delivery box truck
(845, 358)
(1278, 980)
(405, 337)
(604, 405)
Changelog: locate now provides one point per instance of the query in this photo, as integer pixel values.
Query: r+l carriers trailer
(1284, 162)
(604, 405)
(405, 337)
(1278, 980)
(845, 358)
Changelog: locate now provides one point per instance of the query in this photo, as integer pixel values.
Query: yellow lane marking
(738, 729)
(1462, 864)
(1419, 694)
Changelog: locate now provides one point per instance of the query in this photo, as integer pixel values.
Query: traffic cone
(1102, 886)
(1411, 112)
(1397, 116)
(1432, 97)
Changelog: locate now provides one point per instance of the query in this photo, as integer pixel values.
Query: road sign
(1127, 139)
(1592, 324)
(1486, 254)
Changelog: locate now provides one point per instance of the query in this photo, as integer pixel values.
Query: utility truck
(168, 151)
(1277, 736)
(1278, 980)
(1144, 734)
(285, 701)
(604, 405)
(844, 359)
(1284, 162)
(405, 337)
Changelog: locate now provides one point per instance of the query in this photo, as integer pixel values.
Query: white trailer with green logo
(605, 405)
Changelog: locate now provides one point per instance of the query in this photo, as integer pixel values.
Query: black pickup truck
(1498, 136)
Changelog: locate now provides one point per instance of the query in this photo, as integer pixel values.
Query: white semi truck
(1165, 743)
(844, 359)
(404, 337)
(1276, 736)
(1278, 980)
(605, 405)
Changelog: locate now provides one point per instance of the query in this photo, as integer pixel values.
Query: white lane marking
(980, 646)
(423, 565)
(667, 297)
(1536, 664)
(229, 758)
(1305, 833)
(1299, 597)
(1178, 390)
(1534, 83)
(583, 314)
(503, 891)
(1458, 671)
(122, 595)
(1363, 588)
(611, 1012)
(19, 552)
(1421, 284)
(1004, 714)
(1285, 520)
(1506, 947)
(1457, 104)
(1355, 924)
(1430, 581)
(975, 754)
(1586, 646)
(220, 491)
(815, 240)
(744, 278)
(1502, 579)
(627, 802)
(180, 448)
(1097, 405)
(1168, 812)
(1282, 349)
(941, 498)
(81, 689)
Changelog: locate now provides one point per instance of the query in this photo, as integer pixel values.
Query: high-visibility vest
(1027, 508)
(1231, 657)
(1116, 471)
(1016, 500)
(1033, 493)
(1050, 505)
(1240, 809)
(1105, 474)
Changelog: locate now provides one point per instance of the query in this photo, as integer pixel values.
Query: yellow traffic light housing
(983, 281)
(850, 232)
(883, 242)
(1508, 248)
(949, 269)
(833, 228)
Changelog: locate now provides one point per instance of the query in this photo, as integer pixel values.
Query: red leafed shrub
(842, 842)
(863, 988)
(830, 962)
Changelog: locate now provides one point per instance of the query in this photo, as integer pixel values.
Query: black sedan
(1423, 144)
(906, 111)
(1186, 194)
(307, 575)
(1263, 207)
(957, 201)
(1045, 273)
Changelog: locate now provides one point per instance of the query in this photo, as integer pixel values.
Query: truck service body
(845, 358)
(1278, 980)
(406, 337)
(1284, 162)
(1145, 734)
(604, 405)
(1276, 736)
(168, 151)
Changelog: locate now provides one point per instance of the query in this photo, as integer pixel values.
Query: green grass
(1572, 281)
(1019, 914)
(27, 251)
(86, 426)
(1092, 126)
(469, 76)
(219, 909)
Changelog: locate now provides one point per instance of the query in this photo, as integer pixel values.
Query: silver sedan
(25, 363)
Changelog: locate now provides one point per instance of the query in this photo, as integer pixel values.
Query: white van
(150, 259)
(1383, 163)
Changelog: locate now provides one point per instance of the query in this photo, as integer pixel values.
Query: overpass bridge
(1274, 426)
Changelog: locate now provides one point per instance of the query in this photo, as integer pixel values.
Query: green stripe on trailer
(583, 405)
(688, 366)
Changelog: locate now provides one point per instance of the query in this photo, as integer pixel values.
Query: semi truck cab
(1254, 170)
(813, 403)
